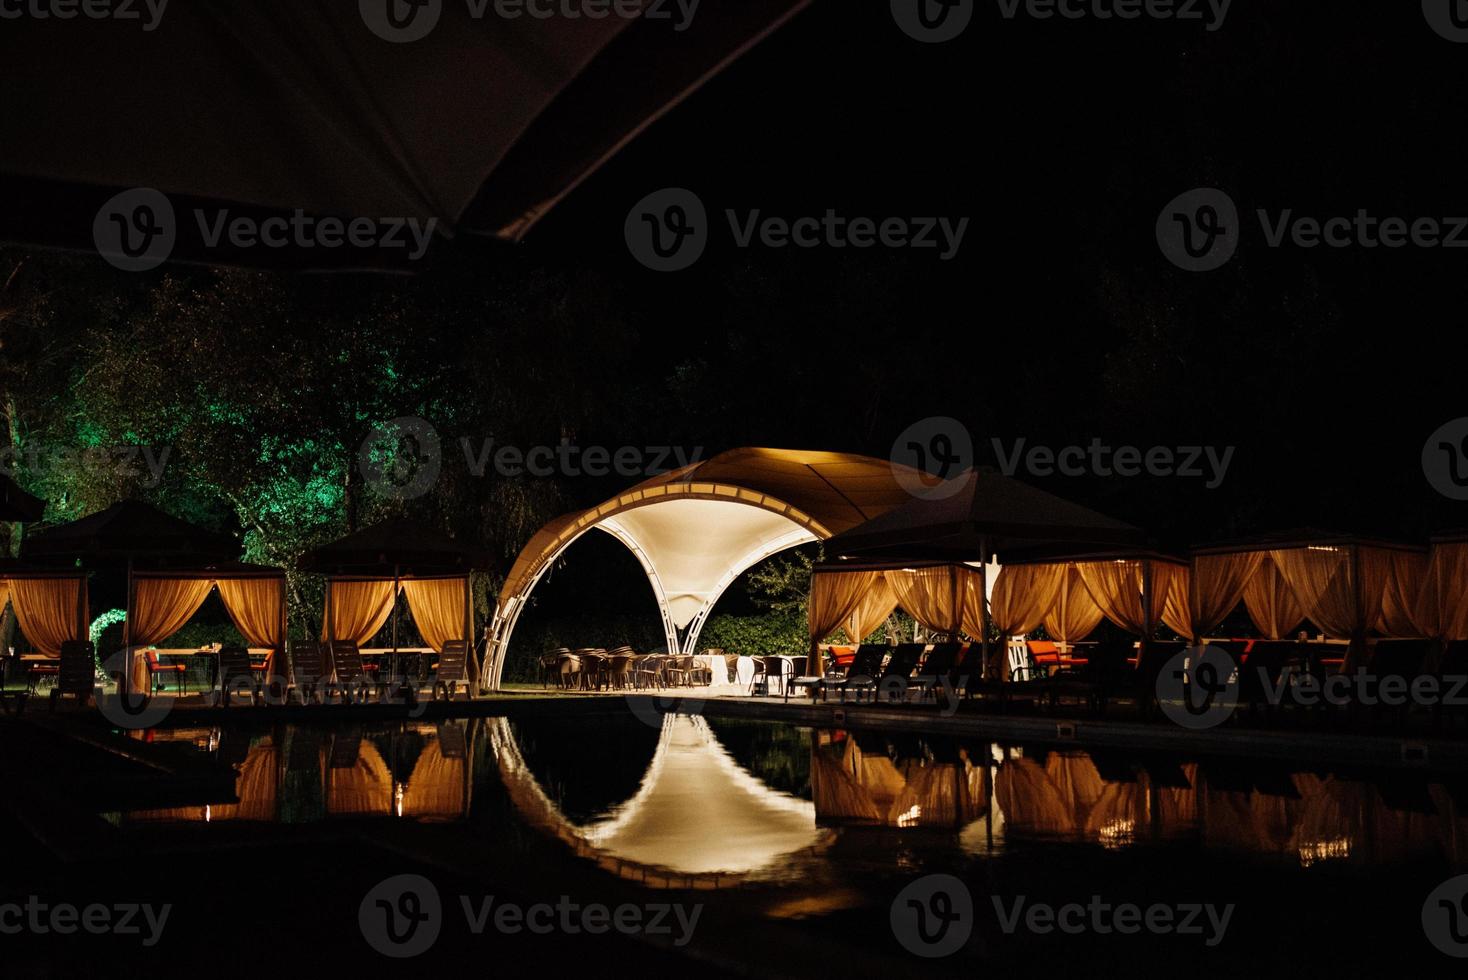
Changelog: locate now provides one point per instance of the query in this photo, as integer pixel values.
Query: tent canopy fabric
(483, 123)
(981, 509)
(16, 504)
(134, 530)
(695, 529)
(400, 548)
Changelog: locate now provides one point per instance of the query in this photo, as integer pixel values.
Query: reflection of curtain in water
(868, 787)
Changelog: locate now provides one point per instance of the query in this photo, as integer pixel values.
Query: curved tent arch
(696, 529)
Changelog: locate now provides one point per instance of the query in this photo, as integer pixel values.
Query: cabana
(367, 570)
(161, 601)
(50, 604)
(696, 529)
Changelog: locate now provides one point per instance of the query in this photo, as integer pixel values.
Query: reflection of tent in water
(349, 773)
(697, 820)
(1304, 816)
(856, 782)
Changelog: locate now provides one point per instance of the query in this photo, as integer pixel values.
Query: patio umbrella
(129, 531)
(16, 504)
(337, 108)
(980, 514)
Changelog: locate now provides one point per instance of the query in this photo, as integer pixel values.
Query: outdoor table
(718, 668)
(395, 659)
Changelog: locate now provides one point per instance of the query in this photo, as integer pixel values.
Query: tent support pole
(984, 599)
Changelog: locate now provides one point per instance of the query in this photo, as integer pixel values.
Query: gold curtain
(1200, 597)
(1271, 602)
(1116, 587)
(933, 596)
(438, 607)
(255, 606)
(49, 611)
(871, 611)
(1342, 597)
(1023, 596)
(1442, 605)
(357, 610)
(1074, 614)
(834, 596)
(1401, 595)
(161, 606)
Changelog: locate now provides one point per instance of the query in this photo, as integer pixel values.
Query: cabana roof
(214, 570)
(398, 547)
(1302, 537)
(982, 510)
(130, 529)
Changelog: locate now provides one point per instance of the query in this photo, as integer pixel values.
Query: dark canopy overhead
(1301, 537)
(984, 508)
(394, 547)
(484, 123)
(16, 504)
(134, 530)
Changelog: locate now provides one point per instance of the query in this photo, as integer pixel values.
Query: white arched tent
(697, 528)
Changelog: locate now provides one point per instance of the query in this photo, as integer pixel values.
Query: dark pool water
(810, 844)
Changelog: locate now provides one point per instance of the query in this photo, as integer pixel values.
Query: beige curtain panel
(49, 611)
(357, 610)
(1116, 587)
(871, 611)
(1271, 603)
(1401, 596)
(161, 606)
(1023, 595)
(1199, 597)
(1335, 598)
(440, 609)
(834, 596)
(1075, 615)
(933, 596)
(1442, 604)
(256, 607)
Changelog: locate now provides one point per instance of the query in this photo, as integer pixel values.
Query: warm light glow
(1334, 849)
(1118, 833)
(910, 817)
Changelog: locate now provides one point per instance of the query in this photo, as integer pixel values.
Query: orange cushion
(1038, 647)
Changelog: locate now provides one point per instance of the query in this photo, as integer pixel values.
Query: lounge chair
(863, 671)
(234, 668)
(77, 673)
(349, 673)
(453, 670)
(306, 664)
(897, 672)
(1400, 660)
(1262, 672)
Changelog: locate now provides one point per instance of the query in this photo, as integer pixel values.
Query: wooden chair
(234, 667)
(76, 675)
(350, 674)
(453, 670)
(548, 664)
(156, 666)
(307, 669)
(568, 672)
(647, 671)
